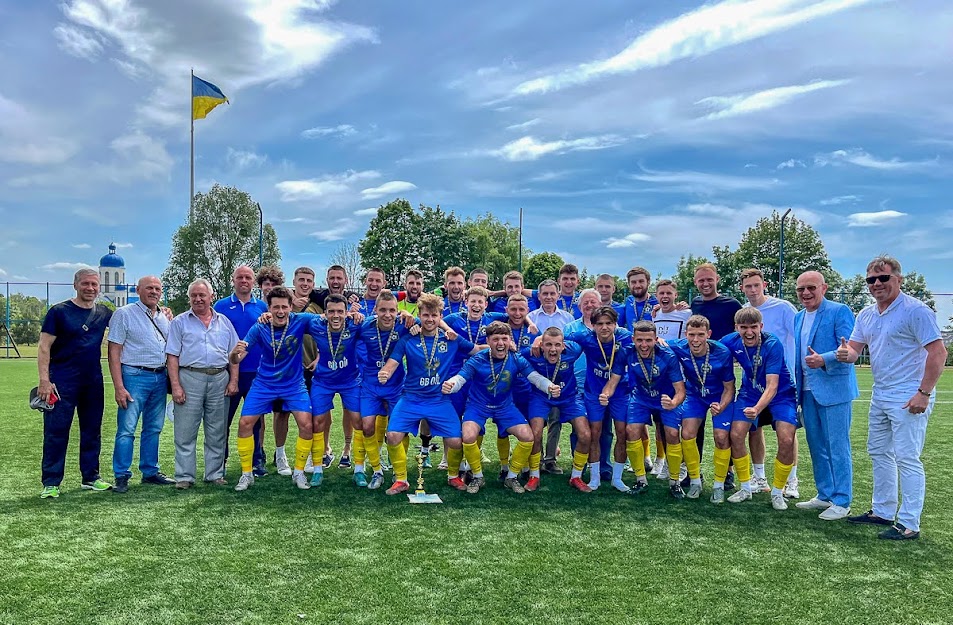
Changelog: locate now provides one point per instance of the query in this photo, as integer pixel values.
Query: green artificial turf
(339, 555)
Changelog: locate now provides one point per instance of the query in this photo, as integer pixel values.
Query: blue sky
(630, 132)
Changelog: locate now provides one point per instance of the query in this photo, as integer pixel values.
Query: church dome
(112, 259)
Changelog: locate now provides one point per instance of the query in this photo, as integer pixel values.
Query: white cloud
(366, 212)
(338, 231)
(240, 159)
(694, 34)
(21, 278)
(525, 125)
(629, 240)
(82, 246)
(26, 137)
(388, 188)
(295, 220)
(840, 199)
(862, 220)
(77, 43)
(791, 163)
(341, 130)
(529, 149)
(860, 158)
(2, 272)
(141, 156)
(585, 224)
(65, 265)
(120, 246)
(719, 210)
(704, 182)
(742, 104)
(323, 187)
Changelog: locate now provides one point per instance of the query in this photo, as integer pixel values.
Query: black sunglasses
(882, 278)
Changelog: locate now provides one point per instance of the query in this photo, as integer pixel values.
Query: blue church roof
(112, 259)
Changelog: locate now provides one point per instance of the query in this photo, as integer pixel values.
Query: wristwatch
(923, 392)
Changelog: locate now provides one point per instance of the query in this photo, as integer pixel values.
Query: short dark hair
(604, 311)
(569, 269)
(644, 326)
(279, 292)
(498, 327)
(334, 298)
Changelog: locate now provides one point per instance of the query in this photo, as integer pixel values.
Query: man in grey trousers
(200, 340)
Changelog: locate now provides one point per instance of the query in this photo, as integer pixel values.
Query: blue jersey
(281, 366)
(652, 377)
(705, 376)
(473, 330)
(430, 362)
(337, 365)
(633, 311)
(375, 347)
(367, 306)
(601, 358)
(560, 373)
(491, 380)
(452, 308)
(759, 362)
(243, 317)
(498, 305)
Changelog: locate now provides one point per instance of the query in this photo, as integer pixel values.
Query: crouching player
(492, 375)
(556, 364)
(280, 379)
(658, 389)
(430, 358)
(765, 385)
(709, 385)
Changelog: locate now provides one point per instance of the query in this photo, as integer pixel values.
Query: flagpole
(191, 145)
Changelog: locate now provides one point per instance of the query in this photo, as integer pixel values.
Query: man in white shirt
(669, 320)
(778, 319)
(548, 315)
(906, 360)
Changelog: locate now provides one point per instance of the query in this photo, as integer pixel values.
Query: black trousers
(84, 397)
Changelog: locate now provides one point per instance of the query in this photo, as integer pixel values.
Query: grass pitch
(338, 555)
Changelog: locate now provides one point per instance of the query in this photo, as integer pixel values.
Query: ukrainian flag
(205, 97)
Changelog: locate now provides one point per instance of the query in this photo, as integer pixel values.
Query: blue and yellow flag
(205, 97)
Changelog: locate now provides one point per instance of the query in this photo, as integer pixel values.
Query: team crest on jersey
(756, 360)
(706, 368)
(563, 366)
(442, 348)
(655, 371)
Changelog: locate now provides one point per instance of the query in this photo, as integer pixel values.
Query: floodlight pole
(521, 242)
(261, 236)
(781, 256)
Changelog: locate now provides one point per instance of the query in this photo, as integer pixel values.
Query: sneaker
(400, 486)
(578, 484)
(183, 485)
(475, 484)
(532, 484)
(309, 466)
(683, 473)
(760, 485)
(97, 485)
(502, 476)
(641, 487)
(443, 465)
(327, 460)
(457, 482)
(662, 469)
(345, 461)
(675, 490)
(718, 495)
(791, 489)
(259, 471)
(245, 482)
(695, 491)
(730, 481)
(778, 502)
(316, 478)
(360, 480)
(619, 486)
(122, 485)
(50, 492)
(552, 468)
(627, 467)
(281, 463)
(377, 480)
(898, 532)
(427, 463)
(869, 518)
(513, 483)
(159, 479)
(741, 495)
(813, 504)
(834, 513)
(659, 466)
(301, 481)
(648, 464)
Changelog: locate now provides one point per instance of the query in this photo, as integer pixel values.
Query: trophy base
(424, 498)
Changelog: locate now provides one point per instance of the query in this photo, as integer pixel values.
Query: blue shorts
(322, 398)
(596, 412)
(569, 409)
(521, 401)
(439, 414)
(642, 414)
(262, 400)
(378, 400)
(505, 416)
(784, 410)
(459, 399)
(696, 408)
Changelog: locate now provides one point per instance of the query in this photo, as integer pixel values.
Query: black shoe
(345, 461)
(898, 532)
(122, 485)
(730, 481)
(869, 518)
(686, 482)
(552, 468)
(676, 491)
(159, 479)
(502, 476)
(638, 489)
(467, 477)
(259, 471)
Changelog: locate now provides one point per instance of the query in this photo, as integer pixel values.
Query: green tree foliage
(26, 317)
(446, 243)
(684, 276)
(541, 267)
(915, 285)
(495, 246)
(223, 234)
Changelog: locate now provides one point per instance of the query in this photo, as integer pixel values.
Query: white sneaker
(682, 472)
(790, 489)
(300, 480)
(778, 502)
(760, 485)
(739, 496)
(627, 467)
(281, 462)
(245, 481)
(443, 465)
(308, 466)
(813, 504)
(718, 495)
(834, 513)
(662, 466)
(620, 486)
(695, 491)
(595, 485)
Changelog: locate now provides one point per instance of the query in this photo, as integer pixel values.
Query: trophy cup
(420, 495)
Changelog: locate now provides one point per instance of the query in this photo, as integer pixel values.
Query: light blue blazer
(836, 382)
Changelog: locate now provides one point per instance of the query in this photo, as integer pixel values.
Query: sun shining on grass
(336, 554)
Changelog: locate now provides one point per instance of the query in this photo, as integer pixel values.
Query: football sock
(372, 452)
(454, 458)
(472, 453)
(535, 460)
(357, 449)
(520, 458)
(673, 452)
(398, 458)
(781, 473)
(758, 470)
(743, 467)
(302, 449)
(636, 454)
(692, 458)
(317, 450)
(722, 459)
(246, 451)
(503, 448)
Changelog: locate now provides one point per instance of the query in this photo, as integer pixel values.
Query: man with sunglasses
(906, 360)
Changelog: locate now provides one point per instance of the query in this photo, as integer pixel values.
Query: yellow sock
(781, 473)
(659, 450)
(674, 455)
(636, 453)
(372, 452)
(579, 460)
(535, 460)
(692, 459)
(317, 450)
(480, 441)
(406, 444)
(246, 452)
(357, 448)
(503, 448)
(380, 429)
(647, 448)
(302, 449)
(472, 453)
(398, 458)
(722, 460)
(454, 458)
(743, 467)
(520, 456)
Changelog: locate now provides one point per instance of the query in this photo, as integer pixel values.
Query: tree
(915, 285)
(26, 316)
(684, 277)
(849, 291)
(495, 246)
(222, 234)
(348, 256)
(445, 243)
(543, 266)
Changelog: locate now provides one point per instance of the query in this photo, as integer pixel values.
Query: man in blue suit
(825, 390)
